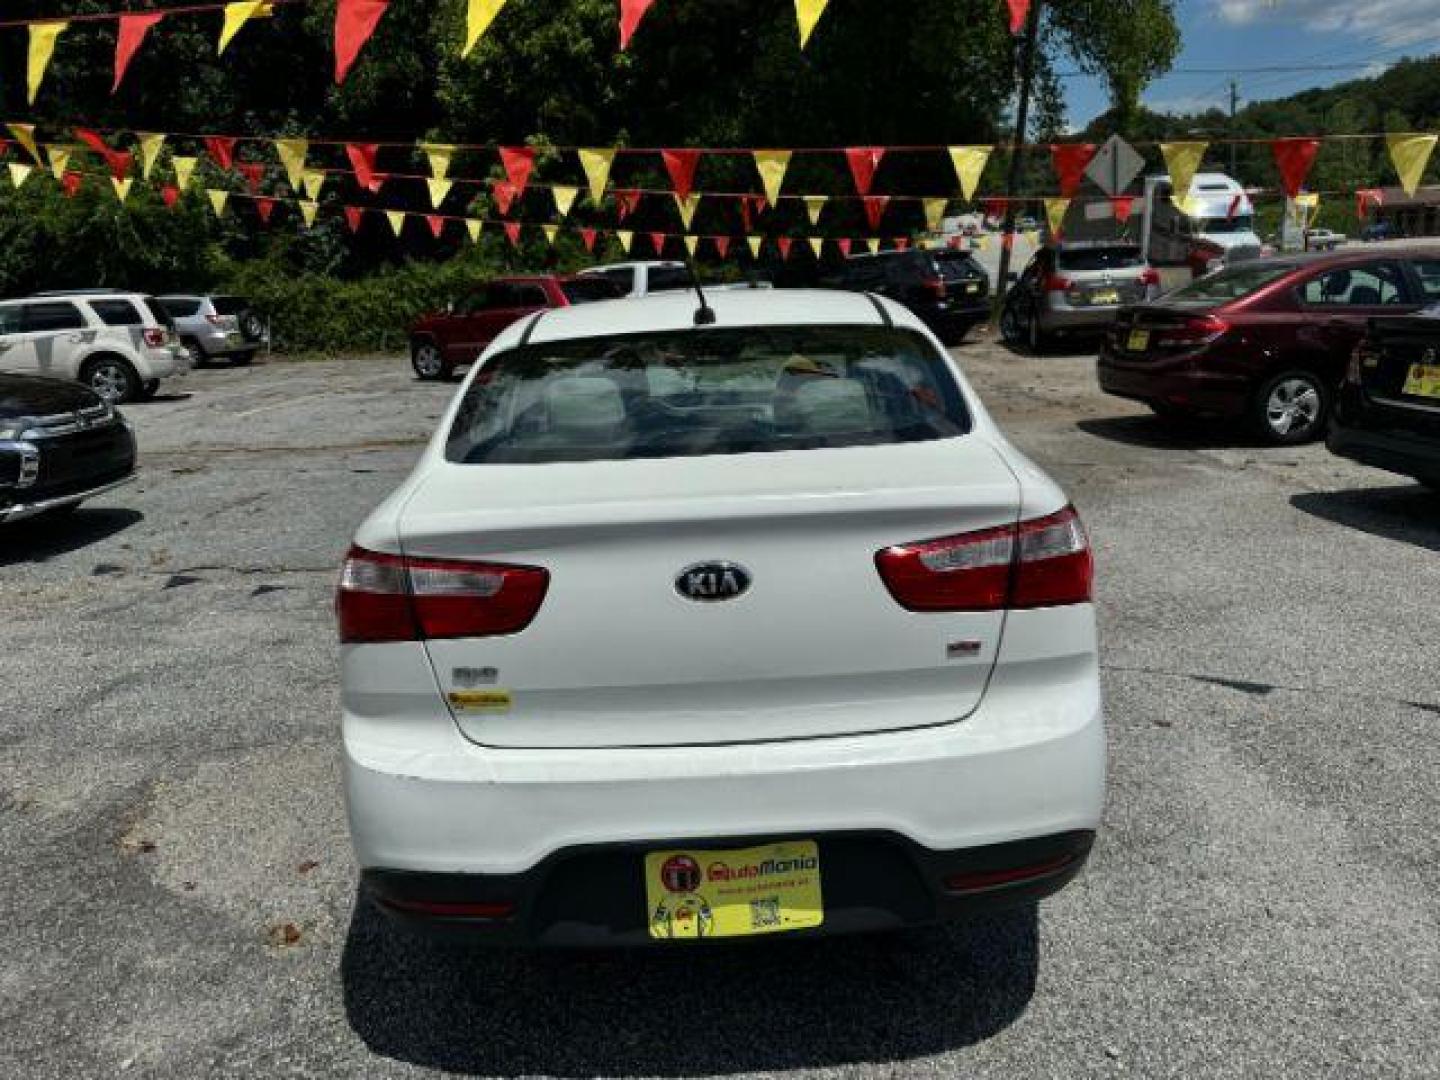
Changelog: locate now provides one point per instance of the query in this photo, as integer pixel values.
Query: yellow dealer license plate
(1104, 297)
(716, 894)
(1424, 381)
(1138, 341)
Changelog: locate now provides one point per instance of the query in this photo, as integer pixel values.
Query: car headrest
(584, 402)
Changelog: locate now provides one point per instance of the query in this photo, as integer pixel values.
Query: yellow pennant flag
(550, 231)
(59, 160)
(692, 245)
(626, 238)
(596, 164)
(1304, 208)
(817, 245)
(42, 47)
(813, 205)
(1182, 162)
(755, 242)
(935, 213)
(236, 16)
(969, 162)
(565, 196)
(807, 14)
(1055, 210)
(313, 180)
(19, 173)
(438, 190)
(307, 211)
(982, 242)
(184, 169)
(479, 14)
(1411, 154)
(874, 246)
(473, 226)
(25, 136)
(150, 144)
(439, 155)
(687, 207)
(773, 164)
(122, 186)
(396, 219)
(292, 156)
(218, 198)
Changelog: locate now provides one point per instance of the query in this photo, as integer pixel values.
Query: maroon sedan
(1265, 341)
(441, 342)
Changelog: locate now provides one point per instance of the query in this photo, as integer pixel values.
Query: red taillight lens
(935, 287)
(1057, 283)
(1150, 276)
(1041, 563)
(154, 337)
(394, 598)
(1193, 332)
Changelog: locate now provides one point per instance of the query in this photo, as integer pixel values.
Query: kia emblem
(709, 582)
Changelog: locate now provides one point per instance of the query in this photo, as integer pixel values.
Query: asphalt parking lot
(177, 881)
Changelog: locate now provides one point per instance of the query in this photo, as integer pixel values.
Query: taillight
(1194, 332)
(1041, 563)
(395, 598)
(1150, 276)
(1058, 283)
(934, 286)
(1364, 356)
(154, 336)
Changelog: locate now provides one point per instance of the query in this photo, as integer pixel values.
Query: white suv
(119, 344)
(706, 623)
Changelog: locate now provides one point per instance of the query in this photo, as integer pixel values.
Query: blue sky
(1230, 36)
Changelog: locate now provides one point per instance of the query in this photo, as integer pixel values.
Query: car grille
(81, 459)
(93, 417)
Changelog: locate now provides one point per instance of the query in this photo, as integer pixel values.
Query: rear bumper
(1175, 382)
(1077, 320)
(1405, 455)
(955, 316)
(595, 895)
(221, 343)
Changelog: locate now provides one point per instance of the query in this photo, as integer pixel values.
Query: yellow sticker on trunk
(480, 701)
(1423, 381)
(716, 894)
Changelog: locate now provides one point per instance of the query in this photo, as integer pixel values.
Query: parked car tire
(1291, 408)
(198, 357)
(1036, 340)
(111, 377)
(429, 362)
(1012, 326)
(148, 389)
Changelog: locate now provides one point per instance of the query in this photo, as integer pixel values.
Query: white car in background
(640, 279)
(710, 621)
(119, 344)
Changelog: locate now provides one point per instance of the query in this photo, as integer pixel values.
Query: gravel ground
(180, 895)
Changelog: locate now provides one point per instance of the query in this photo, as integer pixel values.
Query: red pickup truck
(445, 340)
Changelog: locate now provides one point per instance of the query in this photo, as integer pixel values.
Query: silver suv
(1075, 289)
(216, 327)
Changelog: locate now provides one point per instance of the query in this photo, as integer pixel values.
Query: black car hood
(29, 395)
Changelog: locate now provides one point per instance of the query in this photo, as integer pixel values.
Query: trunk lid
(815, 647)
(1401, 370)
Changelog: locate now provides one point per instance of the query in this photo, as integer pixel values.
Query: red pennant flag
(512, 230)
(1294, 157)
(1070, 161)
(784, 243)
(71, 182)
(133, 29)
(94, 141)
(1234, 207)
(722, 246)
(353, 215)
(253, 172)
(519, 161)
(902, 243)
(994, 207)
(504, 193)
(436, 223)
(355, 21)
(844, 246)
(222, 149)
(627, 201)
(681, 165)
(362, 160)
(864, 160)
(1124, 206)
(1366, 198)
(631, 12)
(875, 210)
(747, 218)
(119, 162)
(1019, 12)
(170, 194)
(657, 241)
(587, 237)
(265, 207)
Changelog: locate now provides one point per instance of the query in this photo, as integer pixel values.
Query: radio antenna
(704, 314)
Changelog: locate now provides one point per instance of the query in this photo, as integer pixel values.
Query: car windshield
(1080, 260)
(705, 392)
(586, 290)
(1240, 223)
(1229, 284)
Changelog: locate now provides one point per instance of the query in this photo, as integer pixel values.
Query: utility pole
(1017, 155)
(1234, 115)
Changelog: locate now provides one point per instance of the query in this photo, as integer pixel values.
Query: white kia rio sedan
(702, 622)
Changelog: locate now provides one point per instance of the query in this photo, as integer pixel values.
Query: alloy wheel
(1294, 406)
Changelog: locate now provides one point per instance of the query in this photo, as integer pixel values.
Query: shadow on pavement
(39, 539)
(1410, 513)
(1167, 432)
(720, 1009)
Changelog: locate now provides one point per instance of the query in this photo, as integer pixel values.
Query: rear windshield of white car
(707, 392)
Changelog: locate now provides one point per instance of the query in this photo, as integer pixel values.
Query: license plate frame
(695, 893)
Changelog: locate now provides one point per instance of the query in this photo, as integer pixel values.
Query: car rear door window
(117, 312)
(707, 392)
(1377, 285)
(1427, 273)
(585, 290)
(668, 278)
(51, 316)
(473, 301)
(623, 278)
(531, 296)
